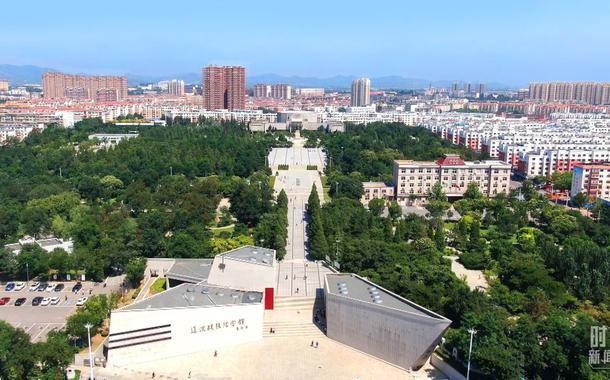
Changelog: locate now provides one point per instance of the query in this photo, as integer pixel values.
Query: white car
(45, 301)
(81, 301)
(34, 286)
(19, 286)
(54, 300)
(50, 287)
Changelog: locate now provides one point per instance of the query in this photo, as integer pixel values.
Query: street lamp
(472, 333)
(27, 272)
(88, 326)
(337, 249)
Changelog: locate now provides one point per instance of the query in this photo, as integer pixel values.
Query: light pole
(88, 326)
(472, 333)
(27, 272)
(337, 249)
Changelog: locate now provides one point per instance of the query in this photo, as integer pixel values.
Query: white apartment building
(548, 161)
(108, 140)
(18, 132)
(591, 179)
(416, 178)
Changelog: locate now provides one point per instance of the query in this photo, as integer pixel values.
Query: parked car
(42, 287)
(81, 301)
(20, 301)
(54, 300)
(59, 287)
(50, 287)
(5, 300)
(19, 286)
(45, 301)
(36, 301)
(34, 286)
(9, 286)
(78, 286)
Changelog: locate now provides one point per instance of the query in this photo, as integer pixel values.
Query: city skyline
(522, 43)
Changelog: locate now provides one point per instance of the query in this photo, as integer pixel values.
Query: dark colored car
(59, 287)
(36, 301)
(42, 287)
(9, 286)
(20, 301)
(78, 286)
(5, 300)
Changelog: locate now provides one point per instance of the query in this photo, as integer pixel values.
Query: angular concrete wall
(401, 338)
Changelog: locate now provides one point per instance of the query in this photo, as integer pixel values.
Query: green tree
(562, 180)
(376, 207)
(394, 210)
(580, 200)
(35, 221)
(134, 271)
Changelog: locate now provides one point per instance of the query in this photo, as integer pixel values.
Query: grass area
(325, 188)
(271, 181)
(217, 230)
(96, 341)
(158, 286)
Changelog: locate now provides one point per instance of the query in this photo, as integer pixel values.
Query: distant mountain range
(19, 75)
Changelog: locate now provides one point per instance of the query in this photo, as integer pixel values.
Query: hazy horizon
(512, 44)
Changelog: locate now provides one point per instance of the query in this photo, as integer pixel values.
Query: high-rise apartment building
(262, 90)
(281, 91)
(276, 91)
(3, 85)
(175, 87)
(99, 88)
(582, 92)
(361, 92)
(309, 92)
(224, 87)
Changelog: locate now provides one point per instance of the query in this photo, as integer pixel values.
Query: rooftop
(374, 184)
(190, 270)
(195, 295)
(352, 286)
(251, 254)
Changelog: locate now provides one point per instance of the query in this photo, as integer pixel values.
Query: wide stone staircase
(292, 316)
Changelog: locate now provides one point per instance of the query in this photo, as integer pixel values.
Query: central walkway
(298, 275)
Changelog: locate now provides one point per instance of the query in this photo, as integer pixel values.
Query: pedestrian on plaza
(316, 344)
(90, 291)
(189, 374)
(215, 353)
(311, 345)
(153, 375)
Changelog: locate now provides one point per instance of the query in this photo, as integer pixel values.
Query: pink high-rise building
(224, 87)
(100, 88)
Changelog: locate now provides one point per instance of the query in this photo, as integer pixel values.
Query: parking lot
(39, 320)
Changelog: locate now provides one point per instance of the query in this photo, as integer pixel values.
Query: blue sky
(510, 42)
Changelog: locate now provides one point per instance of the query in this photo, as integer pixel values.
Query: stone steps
(287, 328)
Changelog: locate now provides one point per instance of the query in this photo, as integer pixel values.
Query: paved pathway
(298, 274)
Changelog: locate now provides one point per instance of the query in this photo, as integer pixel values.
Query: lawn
(325, 188)
(218, 230)
(158, 286)
(271, 181)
